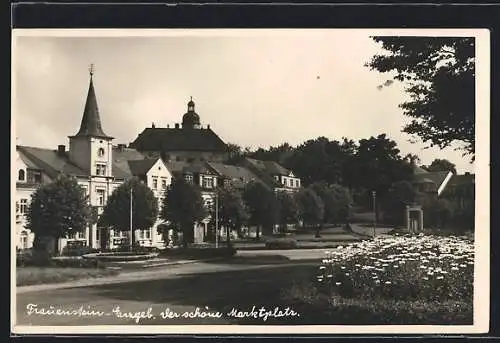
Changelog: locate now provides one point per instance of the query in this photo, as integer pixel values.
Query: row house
(99, 168)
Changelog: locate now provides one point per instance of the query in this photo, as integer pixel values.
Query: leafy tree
(412, 159)
(441, 165)
(263, 206)
(289, 209)
(401, 193)
(183, 207)
(439, 74)
(116, 213)
(56, 210)
(232, 210)
(336, 200)
(378, 165)
(312, 208)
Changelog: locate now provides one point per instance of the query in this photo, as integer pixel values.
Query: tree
(56, 210)
(337, 202)
(441, 165)
(439, 74)
(378, 165)
(232, 210)
(116, 214)
(263, 207)
(183, 207)
(289, 209)
(312, 208)
(401, 194)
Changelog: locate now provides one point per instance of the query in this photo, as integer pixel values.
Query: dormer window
(208, 182)
(188, 178)
(21, 175)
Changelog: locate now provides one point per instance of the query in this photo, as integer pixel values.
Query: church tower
(191, 120)
(91, 149)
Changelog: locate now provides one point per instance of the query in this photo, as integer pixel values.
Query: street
(218, 292)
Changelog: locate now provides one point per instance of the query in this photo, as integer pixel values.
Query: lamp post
(216, 219)
(131, 229)
(374, 195)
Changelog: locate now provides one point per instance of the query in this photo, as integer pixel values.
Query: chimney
(61, 149)
(208, 127)
(467, 173)
(168, 126)
(152, 125)
(177, 126)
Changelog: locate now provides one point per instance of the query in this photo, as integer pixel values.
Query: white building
(99, 167)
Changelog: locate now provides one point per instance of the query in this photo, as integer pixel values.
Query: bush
(74, 262)
(281, 243)
(31, 257)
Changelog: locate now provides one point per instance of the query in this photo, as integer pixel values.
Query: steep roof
(91, 120)
(435, 177)
(463, 179)
(51, 161)
(121, 158)
(141, 167)
(238, 176)
(271, 167)
(178, 139)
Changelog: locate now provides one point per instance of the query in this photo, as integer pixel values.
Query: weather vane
(91, 69)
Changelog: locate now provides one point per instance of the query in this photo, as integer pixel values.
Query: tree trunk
(318, 230)
(257, 234)
(228, 236)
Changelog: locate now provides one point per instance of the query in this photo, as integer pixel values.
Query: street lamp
(131, 229)
(374, 195)
(216, 219)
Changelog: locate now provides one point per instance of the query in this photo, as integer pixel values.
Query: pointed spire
(91, 121)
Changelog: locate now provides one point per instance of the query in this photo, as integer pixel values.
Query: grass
(337, 310)
(44, 275)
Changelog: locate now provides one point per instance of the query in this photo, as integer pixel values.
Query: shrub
(74, 262)
(281, 243)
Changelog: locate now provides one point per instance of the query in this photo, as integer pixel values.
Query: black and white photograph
(250, 181)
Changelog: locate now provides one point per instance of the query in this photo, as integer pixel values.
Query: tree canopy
(58, 209)
(441, 165)
(262, 204)
(289, 209)
(312, 207)
(116, 213)
(232, 209)
(183, 206)
(439, 75)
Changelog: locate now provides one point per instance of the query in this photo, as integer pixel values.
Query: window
(155, 182)
(97, 234)
(24, 240)
(101, 193)
(141, 234)
(100, 152)
(34, 176)
(188, 178)
(208, 182)
(23, 208)
(20, 175)
(148, 234)
(100, 169)
(163, 183)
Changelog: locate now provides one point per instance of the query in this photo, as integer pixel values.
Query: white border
(482, 220)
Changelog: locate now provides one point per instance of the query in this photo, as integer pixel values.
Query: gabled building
(431, 183)
(236, 176)
(274, 175)
(99, 168)
(189, 142)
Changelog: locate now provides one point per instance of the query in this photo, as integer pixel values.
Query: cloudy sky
(254, 89)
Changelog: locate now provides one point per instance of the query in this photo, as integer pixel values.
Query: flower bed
(421, 267)
(121, 256)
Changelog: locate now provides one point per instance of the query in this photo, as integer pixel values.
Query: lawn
(392, 280)
(44, 275)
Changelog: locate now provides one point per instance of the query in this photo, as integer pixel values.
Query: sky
(254, 89)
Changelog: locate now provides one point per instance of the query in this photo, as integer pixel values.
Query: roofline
(94, 136)
(444, 183)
